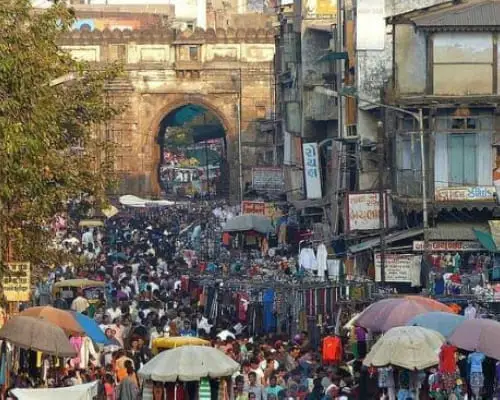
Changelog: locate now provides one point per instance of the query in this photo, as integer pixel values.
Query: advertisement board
(16, 283)
(312, 171)
(448, 245)
(363, 211)
(398, 267)
(268, 179)
(469, 193)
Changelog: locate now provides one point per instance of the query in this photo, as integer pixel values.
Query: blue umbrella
(444, 323)
(91, 328)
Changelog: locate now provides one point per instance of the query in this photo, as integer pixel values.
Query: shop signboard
(363, 210)
(311, 171)
(253, 207)
(16, 283)
(397, 267)
(468, 193)
(268, 179)
(448, 245)
(260, 208)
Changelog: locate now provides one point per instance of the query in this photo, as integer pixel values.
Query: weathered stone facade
(167, 70)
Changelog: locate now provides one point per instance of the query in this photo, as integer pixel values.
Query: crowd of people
(140, 256)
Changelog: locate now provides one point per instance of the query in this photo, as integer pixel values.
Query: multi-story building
(307, 112)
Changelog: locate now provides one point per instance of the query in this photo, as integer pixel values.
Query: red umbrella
(389, 313)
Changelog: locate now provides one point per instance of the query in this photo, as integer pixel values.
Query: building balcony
(188, 65)
(319, 106)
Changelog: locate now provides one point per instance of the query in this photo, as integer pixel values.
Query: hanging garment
(332, 350)
(307, 259)
(269, 319)
(243, 301)
(321, 260)
(333, 268)
(204, 391)
(447, 360)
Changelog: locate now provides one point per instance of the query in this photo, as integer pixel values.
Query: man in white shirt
(114, 312)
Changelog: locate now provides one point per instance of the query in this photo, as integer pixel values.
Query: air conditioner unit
(351, 131)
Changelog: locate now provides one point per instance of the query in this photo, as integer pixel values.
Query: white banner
(363, 212)
(398, 267)
(370, 25)
(312, 171)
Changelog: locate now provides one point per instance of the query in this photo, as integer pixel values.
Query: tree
(41, 124)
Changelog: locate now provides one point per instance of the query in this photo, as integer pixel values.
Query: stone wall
(166, 70)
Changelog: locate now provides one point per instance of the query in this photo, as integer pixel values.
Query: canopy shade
(189, 363)
(87, 391)
(410, 347)
(245, 223)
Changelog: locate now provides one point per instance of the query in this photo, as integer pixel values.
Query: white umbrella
(189, 363)
(410, 347)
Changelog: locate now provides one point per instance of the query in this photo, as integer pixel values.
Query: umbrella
(63, 319)
(444, 323)
(84, 391)
(189, 363)
(478, 335)
(37, 334)
(389, 313)
(92, 330)
(410, 347)
(178, 341)
(244, 223)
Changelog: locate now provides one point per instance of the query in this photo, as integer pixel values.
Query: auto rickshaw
(93, 291)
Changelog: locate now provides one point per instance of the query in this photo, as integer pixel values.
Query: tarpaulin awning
(87, 391)
(456, 230)
(390, 238)
(245, 223)
(486, 240)
(137, 202)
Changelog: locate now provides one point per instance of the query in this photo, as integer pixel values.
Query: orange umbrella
(63, 319)
(434, 305)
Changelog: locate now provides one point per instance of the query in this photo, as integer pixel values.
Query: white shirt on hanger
(321, 257)
(307, 259)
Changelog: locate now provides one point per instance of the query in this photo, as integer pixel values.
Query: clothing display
(447, 359)
(307, 259)
(470, 312)
(321, 259)
(332, 350)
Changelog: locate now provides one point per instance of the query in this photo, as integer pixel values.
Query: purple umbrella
(389, 313)
(481, 335)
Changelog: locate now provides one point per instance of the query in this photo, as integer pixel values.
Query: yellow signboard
(17, 282)
(326, 7)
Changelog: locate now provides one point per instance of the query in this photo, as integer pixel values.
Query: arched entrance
(193, 154)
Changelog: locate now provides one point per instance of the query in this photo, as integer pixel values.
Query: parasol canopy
(61, 318)
(178, 341)
(90, 327)
(481, 335)
(189, 363)
(444, 323)
(389, 313)
(85, 391)
(410, 347)
(37, 334)
(248, 222)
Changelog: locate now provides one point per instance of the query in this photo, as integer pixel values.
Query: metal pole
(424, 181)
(381, 194)
(239, 152)
(207, 170)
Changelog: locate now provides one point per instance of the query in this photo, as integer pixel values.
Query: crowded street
(167, 303)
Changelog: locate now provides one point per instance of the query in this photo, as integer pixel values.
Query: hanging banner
(312, 171)
(398, 267)
(16, 283)
(363, 212)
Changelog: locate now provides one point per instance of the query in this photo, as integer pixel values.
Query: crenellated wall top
(160, 35)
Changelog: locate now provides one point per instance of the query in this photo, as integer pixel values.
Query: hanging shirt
(307, 259)
(447, 360)
(470, 312)
(476, 362)
(321, 258)
(332, 349)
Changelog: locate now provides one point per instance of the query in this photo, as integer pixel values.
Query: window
(193, 53)
(462, 159)
(465, 123)
(463, 63)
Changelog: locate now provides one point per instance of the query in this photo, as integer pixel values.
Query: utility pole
(381, 195)
(425, 211)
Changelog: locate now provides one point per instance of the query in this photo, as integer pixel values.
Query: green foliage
(42, 124)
